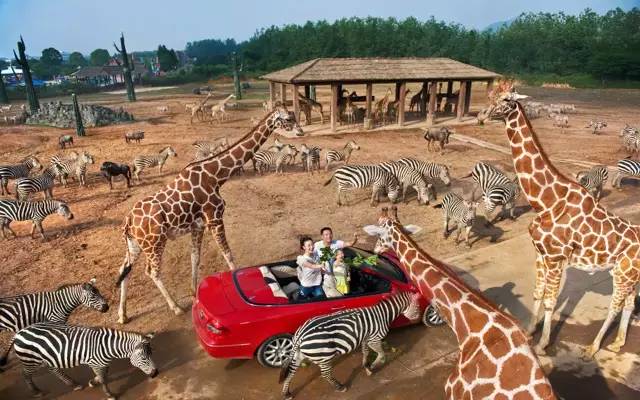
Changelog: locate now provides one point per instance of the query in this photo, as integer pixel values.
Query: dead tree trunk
(236, 75)
(32, 98)
(126, 68)
(76, 110)
(3, 93)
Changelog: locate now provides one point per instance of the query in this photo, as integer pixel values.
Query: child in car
(341, 273)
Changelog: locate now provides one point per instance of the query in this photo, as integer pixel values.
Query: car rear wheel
(275, 350)
(431, 316)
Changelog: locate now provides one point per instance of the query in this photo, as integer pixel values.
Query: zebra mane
(164, 149)
(67, 285)
(231, 146)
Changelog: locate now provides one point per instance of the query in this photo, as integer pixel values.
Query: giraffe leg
(621, 338)
(133, 253)
(552, 286)
(196, 246)
(326, 370)
(538, 294)
(152, 269)
(621, 291)
(216, 225)
(376, 345)
(65, 378)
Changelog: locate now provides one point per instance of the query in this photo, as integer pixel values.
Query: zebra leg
(466, 236)
(376, 345)
(133, 252)
(152, 269)
(39, 225)
(65, 378)
(326, 370)
(27, 374)
(339, 203)
(445, 234)
(101, 379)
(196, 245)
(293, 367)
(3, 186)
(365, 354)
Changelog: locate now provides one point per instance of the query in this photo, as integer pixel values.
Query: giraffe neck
(238, 154)
(540, 181)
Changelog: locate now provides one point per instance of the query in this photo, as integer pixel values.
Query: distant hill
(497, 25)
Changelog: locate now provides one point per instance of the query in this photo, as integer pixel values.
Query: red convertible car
(254, 311)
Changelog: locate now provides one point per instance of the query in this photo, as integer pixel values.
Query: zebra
(429, 170)
(462, 212)
(497, 190)
(73, 167)
(36, 211)
(206, 149)
(596, 126)
(626, 168)
(341, 155)
(264, 159)
(57, 346)
(41, 183)
(361, 176)
(21, 170)
(18, 312)
(65, 140)
(310, 157)
(143, 161)
(630, 139)
(593, 180)
(409, 177)
(322, 339)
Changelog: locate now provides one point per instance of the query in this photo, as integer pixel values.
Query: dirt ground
(264, 217)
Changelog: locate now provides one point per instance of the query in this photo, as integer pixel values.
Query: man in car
(327, 241)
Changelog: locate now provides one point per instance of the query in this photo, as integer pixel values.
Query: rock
(62, 116)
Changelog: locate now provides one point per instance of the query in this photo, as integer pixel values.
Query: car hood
(214, 292)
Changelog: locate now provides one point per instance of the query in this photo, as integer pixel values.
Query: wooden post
(283, 94)
(312, 93)
(307, 91)
(462, 96)
(489, 86)
(447, 107)
(296, 102)
(403, 91)
(433, 93)
(398, 84)
(422, 109)
(272, 92)
(467, 97)
(368, 123)
(334, 106)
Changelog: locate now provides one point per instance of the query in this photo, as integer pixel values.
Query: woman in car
(309, 272)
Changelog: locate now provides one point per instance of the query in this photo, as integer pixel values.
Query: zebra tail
(285, 369)
(329, 181)
(467, 175)
(5, 357)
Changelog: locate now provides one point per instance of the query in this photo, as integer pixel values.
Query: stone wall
(61, 115)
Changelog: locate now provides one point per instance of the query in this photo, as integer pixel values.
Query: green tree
(167, 58)
(99, 57)
(76, 59)
(51, 57)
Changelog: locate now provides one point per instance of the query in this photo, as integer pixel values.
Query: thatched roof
(327, 70)
(106, 70)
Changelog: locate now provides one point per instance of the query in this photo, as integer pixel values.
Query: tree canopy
(51, 57)
(167, 58)
(99, 57)
(76, 59)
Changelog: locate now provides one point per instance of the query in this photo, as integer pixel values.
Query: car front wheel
(275, 350)
(431, 316)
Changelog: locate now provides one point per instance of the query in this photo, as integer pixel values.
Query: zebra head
(90, 297)
(352, 145)
(281, 119)
(444, 175)
(387, 226)
(33, 163)
(64, 210)
(87, 158)
(141, 356)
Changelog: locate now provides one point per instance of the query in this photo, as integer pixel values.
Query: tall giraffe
(191, 203)
(495, 360)
(570, 229)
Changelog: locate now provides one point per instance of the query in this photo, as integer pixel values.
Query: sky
(84, 25)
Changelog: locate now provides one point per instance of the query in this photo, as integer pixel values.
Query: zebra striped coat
(409, 177)
(630, 139)
(462, 212)
(263, 160)
(18, 312)
(74, 167)
(322, 339)
(58, 346)
(310, 157)
(151, 160)
(362, 176)
(41, 183)
(205, 149)
(626, 168)
(341, 155)
(36, 211)
(429, 170)
(21, 170)
(497, 190)
(593, 180)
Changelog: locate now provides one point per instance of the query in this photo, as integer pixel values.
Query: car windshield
(383, 267)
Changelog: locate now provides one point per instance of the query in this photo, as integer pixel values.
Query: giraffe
(570, 229)
(309, 105)
(381, 106)
(191, 203)
(198, 109)
(495, 360)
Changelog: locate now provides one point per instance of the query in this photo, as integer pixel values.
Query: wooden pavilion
(369, 71)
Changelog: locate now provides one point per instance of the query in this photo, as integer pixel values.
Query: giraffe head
(385, 228)
(282, 119)
(502, 100)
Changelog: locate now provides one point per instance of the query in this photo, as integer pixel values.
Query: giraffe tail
(329, 181)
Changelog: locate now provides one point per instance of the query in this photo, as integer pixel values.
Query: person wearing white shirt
(327, 241)
(309, 272)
